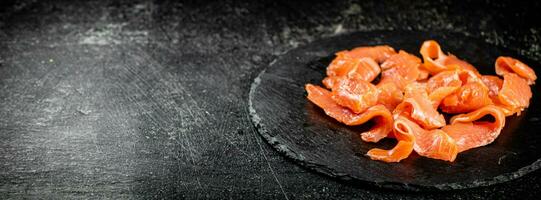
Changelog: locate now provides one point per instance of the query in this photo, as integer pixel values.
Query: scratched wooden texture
(148, 99)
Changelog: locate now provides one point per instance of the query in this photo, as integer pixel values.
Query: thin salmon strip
(493, 83)
(467, 98)
(403, 148)
(437, 96)
(401, 151)
(401, 69)
(471, 94)
(515, 93)
(389, 95)
(402, 59)
(341, 65)
(378, 53)
(436, 61)
(418, 107)
(442, 85)
(469, 132)
(367, 69)
(429, 143)
(382, 117)
(363, 68)
(506, 65)
(436, 144)
(444, 79)
(354, 93)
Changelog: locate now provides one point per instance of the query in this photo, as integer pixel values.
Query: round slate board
(300, 130)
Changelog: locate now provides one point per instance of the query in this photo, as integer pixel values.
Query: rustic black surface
(148, 99)
(302, 131)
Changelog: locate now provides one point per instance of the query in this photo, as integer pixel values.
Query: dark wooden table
(148, 99)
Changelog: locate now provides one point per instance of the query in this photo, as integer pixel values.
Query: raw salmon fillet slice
(418, 107)
(401, 69)
(389, 95)
(466, 91)
(353, 93)
(506, 65)
(436, 61)
(515, 93)
(382, 117)
(493, 83)
(378, 53)
(344, 65)
(469, 132)
(429, 143)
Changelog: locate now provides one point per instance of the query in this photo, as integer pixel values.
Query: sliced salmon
(515, 93)
(414, 91)
(367, 70)
(470, 131)
(402, 59)
(354, 93)
(470, 95)
(341, 64)
(389, 95)
(344, 65)
(378, 53)
(429, 143)
(417, 106)
(493, 83)
(399, 152)
(401, 69)
(382, 117)
(436, 61)
(506, 65)
(467, 98)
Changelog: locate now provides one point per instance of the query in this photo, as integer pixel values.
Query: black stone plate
(301, 131)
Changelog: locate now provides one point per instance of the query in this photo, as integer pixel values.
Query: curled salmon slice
(429, 143)
(436, 61)
(341, 65)
(458, 91)
(468, 97)
(444, 79)
(353, 93)
(378, 53)
(419, 107)
(362, 68)
(399, 152)
(382, 117)
(470, 131)
(493, 83)
(515, 93)
(367, 70)
(506, 65)
(402, 59)
(437, 96)
(389, 95)
(442, 85)
(401, 69)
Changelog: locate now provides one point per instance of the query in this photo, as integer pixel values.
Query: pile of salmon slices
(409, 99)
